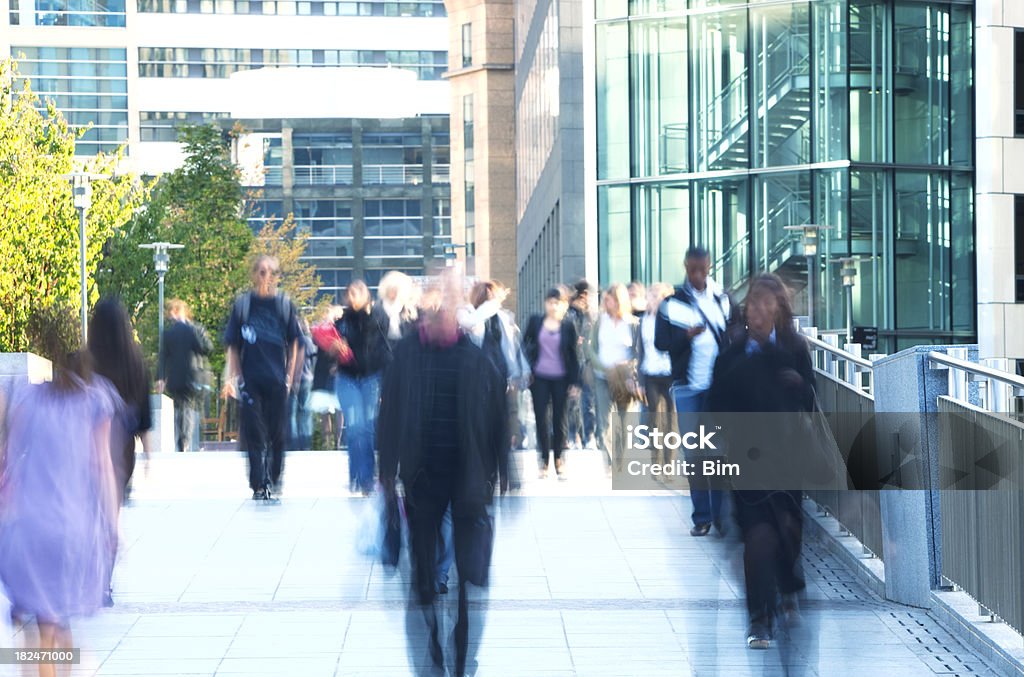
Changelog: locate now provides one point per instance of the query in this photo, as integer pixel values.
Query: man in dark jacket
(441, 431)
(693, 326)
(184, 346)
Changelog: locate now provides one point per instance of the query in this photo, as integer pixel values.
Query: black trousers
(554, 392)
(771, 523)
(264, 413)
(425, 505)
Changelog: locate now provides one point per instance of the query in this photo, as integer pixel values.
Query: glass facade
(363, 194)
(721, 123)
(296, 8)
(79, 13)
(537, 111)
(88, 85)
(164, 125)
(211, 62)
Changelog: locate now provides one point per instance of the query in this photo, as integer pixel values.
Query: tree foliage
(197, 205)
(39, 226)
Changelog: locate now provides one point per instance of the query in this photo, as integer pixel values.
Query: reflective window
(658, 88)
(80, 13)
(192, 62)
(425, 8)
(721, 128)
(89, 84)
(164, 126)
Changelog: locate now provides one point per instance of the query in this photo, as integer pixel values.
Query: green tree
(198, 205)
(39, 228)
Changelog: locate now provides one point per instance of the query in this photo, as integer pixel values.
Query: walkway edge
(868, 569)
(996, 643)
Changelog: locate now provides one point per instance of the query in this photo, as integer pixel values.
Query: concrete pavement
(584, 582)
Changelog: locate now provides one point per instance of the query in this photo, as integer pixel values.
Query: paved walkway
(584, 583)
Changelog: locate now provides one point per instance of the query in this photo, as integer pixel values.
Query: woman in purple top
(58, 498)
(550, 346)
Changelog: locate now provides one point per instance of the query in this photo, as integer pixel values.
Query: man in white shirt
(693, 327)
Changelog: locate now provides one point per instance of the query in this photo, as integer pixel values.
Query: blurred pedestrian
(58, 496)
(693, 326)
(300, 416)
(323, 400)
(768, 369)
(550, 344)
(184, 346)
(263, 362)
(357, 382)
(654, 371)
(614, 362)
(395, 310)
(637, 299)
(580, 416)
(441, 431)
(117, 357)
(492, 328)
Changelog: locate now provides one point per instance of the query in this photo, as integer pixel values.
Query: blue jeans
(359, 398)
(445, 549)
(300, 422)
(707, 502)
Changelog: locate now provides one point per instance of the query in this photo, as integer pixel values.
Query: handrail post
(831, 363)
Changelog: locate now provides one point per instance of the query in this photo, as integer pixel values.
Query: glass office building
(373, 195)
(722, 122)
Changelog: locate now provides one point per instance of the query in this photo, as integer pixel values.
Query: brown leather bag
(622, 383)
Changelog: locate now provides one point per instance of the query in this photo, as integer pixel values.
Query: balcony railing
(343, 175)
(322, 175)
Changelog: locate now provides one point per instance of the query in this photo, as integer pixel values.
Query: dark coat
(381, 323)
(482, 432)
(762, 381)
(360, 330)
(778, 378)
(183, 343)
(568, 347)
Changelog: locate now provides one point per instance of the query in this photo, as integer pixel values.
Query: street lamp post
(809, 238)
(161, 258)
(849, 275)
(81, 191)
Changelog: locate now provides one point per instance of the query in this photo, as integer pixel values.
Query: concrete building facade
(480, 72)
(550, 233)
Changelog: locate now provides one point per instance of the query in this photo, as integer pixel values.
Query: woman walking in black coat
(767, 370)
(550, 346)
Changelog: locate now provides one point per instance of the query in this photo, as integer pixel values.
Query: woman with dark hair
(550, 345)
(58, 502)
(767, 370)
(117, 357)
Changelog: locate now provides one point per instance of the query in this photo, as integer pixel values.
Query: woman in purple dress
(58, 499)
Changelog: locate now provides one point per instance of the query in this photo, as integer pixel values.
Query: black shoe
(268, 494)
(259, 495)
(700, 530)
(442, 589)
(759, 636)
(721, 530)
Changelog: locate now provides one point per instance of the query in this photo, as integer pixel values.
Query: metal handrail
(843, 365)
(856, 360)
(997, 386)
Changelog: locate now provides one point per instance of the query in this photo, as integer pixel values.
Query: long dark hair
(770, 283)
(115, 353)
